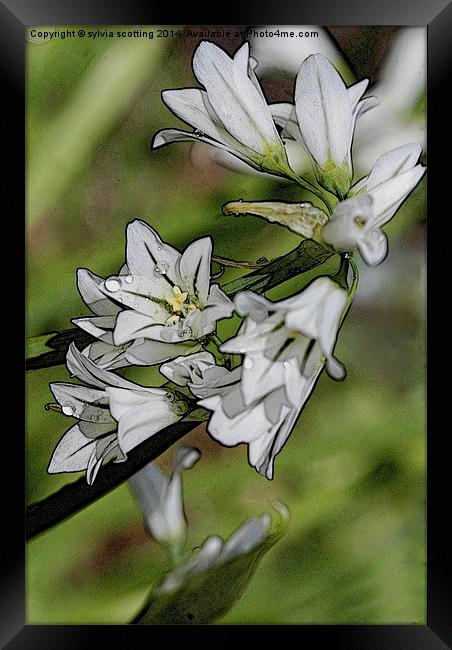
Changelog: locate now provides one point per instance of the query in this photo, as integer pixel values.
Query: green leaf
(208, 595)
(37, 345)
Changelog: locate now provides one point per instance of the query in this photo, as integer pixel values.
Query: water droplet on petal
(68, 409)
(381, 238)
(375, 234)
(248, 364)
(112, 284)
(161, 268)
(128, 279)
(170, 397)
(159, 248)
(94, 418)
(242, 350)
(286, 364)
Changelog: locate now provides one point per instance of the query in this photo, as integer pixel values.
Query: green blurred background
(353, 470)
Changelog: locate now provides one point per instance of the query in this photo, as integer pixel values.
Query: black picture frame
(15, 16)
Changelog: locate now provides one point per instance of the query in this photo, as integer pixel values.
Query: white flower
(285, 347)
(216, 552)
(114, 416)
(231, 113)
(356, 222)
(161, 500)
(323, 119)
(161, 303)
(258, 421)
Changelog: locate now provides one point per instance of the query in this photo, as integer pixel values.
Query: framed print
(226, 326)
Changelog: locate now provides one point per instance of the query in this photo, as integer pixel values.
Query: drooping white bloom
(356, 222)
(161, 499)
(285, 347)
(215, 552)
(161, 303)
(231, 113)
(113, 416)
(235, 419)
(323, 119)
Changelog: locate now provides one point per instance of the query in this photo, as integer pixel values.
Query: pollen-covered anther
(177, 300)
(360, 222)
(172, 320)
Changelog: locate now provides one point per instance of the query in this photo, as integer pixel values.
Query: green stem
(175, 553)
(353, 288)
(213, 347)
(302, 182)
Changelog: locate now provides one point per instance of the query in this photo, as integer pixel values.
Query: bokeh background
(353, 470)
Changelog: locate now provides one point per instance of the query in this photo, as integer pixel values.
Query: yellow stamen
(172, 320)
(360, 222)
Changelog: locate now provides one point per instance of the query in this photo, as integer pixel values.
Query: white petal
(167, 136)
(248, 536)
(77, 395)
(303, 315)
(329, 324)
(253, 304)
(389, 195)
(72, 452)
(140, 414)
(185, 458)
(248, 425)
(234, 97)
(84, 369)
(282, 112)
(141, 293)
(105, 449)
(285, 115)
(131, 325)
(342, 231)
(392, 163)
(218, 306)
(323, 110)
(194, 268)
(149, 487)
(149, 353)
(145, 250)
(356, 91)
(263, 459)
(181, 370)
(373, 249)
(100, 326)
(260, 376)
(85, 403)
(88, 286)
(192, 105)
(366, 104)
(106, 356)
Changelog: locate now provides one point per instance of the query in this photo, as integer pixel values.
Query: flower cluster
(162, 307)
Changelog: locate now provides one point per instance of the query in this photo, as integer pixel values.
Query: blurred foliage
(353, 471)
